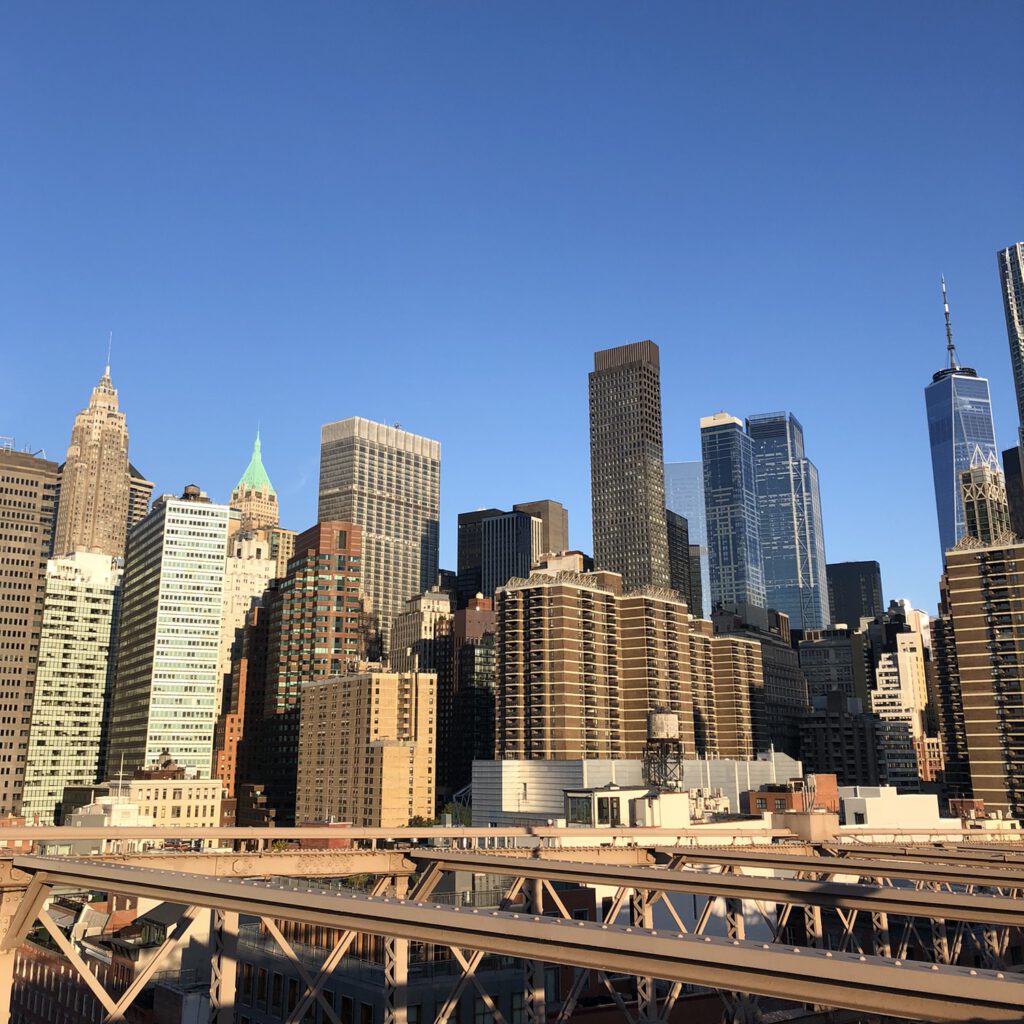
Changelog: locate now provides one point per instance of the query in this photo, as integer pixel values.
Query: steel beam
(779, 860)
(917, 991)
(844, 895)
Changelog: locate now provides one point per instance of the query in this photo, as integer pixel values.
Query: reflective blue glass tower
(961, 433)
(684, 495)
(730, 503)
(789, 509)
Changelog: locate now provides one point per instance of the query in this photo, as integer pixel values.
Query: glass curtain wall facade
(789, 506)
(1011, 281)
(70, 705)
(961, 434)
(730, 500)
(684, 495)
(166, 683)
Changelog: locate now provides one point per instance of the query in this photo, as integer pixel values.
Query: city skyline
(221, 244)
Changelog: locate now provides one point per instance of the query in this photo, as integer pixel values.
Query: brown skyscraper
(987, 612)
(580, 665)
(27, 488)
(95, 485)
(314, 629)
(627, 468)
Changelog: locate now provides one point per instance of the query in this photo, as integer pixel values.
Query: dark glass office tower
(627, 469)
(961, 433)
(854, 591)
(1011, 284)
(789, 505)
(679, 572)
(684, 495)
(469, 578)
(731, 506)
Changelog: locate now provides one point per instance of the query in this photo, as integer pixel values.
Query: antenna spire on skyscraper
(110, 345)
(950, 347)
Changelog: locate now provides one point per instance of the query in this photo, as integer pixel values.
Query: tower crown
(255, 476)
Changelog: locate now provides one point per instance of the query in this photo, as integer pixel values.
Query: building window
(762, 804)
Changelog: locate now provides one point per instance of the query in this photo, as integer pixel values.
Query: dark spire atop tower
(950, 347)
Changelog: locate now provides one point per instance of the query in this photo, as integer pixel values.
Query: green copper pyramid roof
(255, 476)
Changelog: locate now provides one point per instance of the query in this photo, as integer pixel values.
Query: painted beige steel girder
(912, 990)
(848, 896)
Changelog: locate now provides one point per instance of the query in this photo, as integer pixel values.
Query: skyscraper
(792, 536)
(731, 504)
(1011, 280)
(95, 484)
(386, 481)
(366, 749)
(678, 534)
(28, 485)
(509, 545)
(986, 513)
(315, 629)
(554, 518)
(166, 685)
(854, 592)
(74, 679)
(960, 430)
(684, 495)
(254, 495)
(470, 572)
(984, 588)
(140, 493)
(627, 469)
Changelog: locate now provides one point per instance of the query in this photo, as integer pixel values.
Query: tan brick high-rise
(95, 483)
(366, 749)
(27, 489)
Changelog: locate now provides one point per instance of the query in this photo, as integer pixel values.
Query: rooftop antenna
(950, 347)
(110, 345)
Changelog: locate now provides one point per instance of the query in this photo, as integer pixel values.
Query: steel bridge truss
(875, 911)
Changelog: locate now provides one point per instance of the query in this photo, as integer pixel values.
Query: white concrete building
(167, 685)
(533, 792)
(882, 807)
(67, 737)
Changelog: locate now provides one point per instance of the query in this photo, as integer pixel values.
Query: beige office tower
(28, 486)
(627, 467)
(95, 485)
(254, 495)
(739, 686)
(387, 481)
(580, 666)
(413, 634)
(554, 517)
(248, 570)
(67, 741)
(366, 749)
(140, 493)
(282, 547)
(986, 603)
(986, 511)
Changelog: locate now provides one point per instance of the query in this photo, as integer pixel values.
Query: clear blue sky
(434, 212)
